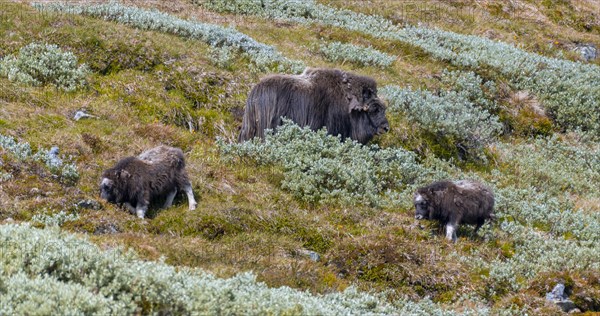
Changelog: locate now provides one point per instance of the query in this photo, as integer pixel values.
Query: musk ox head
(422, 206)
(366, 105)
(109, 190)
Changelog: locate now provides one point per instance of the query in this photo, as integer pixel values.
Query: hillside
(301, 223)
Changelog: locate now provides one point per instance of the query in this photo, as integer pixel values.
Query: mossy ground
(149, 88)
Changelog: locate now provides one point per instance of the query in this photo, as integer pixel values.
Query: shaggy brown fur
(156, 173)
(345, 103)
(455, 202)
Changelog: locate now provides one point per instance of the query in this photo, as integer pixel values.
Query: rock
(52, 158)
(89, 204)
(558, 297)
(310, 254)
(81, 115)
(106, 229)
(588, 52)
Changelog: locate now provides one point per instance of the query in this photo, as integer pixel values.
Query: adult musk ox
(156, 173)
(345, 103)
(455, 202)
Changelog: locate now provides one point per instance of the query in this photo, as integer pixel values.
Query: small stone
(558, 297)
(81, 115)
(106, 229)
(53, 159)
(557, 293)
(89, 204)
(310, 254)
(588, 52)
(566, 305)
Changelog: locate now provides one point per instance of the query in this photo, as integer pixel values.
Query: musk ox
(136, 181)
(453, 203)
(345, 103)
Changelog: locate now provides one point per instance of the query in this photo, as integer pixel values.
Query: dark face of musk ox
(421, 207)
(107, 190)
(375, 111)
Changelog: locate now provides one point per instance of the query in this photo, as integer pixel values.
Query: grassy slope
(146, 83)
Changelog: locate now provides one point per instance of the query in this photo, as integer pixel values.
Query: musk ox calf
(136, 181)
(345, 103)
(455, 202)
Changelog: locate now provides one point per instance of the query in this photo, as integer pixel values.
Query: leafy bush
(39, 64)
(534, 252)
(264, 56)
(320, 168)
(547, 213)
(568, 89)
(80, 278)
(451, 114)
(23, 152)
(553, 165)
(366, 56)
(303, 12)
(471, 87)
(57, 219)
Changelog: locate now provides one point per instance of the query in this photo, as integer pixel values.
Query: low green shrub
(450, 115)
(553, 165)
(40, 64)
(47, 271)
(57, 219)
(22, 152)
(365, 56)
(320, 168)
(264, 56)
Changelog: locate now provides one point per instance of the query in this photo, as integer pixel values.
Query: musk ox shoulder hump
(164, 154)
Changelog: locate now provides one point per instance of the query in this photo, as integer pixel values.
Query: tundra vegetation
(300, 223)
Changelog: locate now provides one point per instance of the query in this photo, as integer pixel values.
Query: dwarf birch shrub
(43, 295)
(264, 56)
(74, 276)
(551, 214)
(554, 165)
(365, 56)
(23, 152)
(40, 64)
(320, 168)
(568, 89)
(536, 252)
(305, 12)
(57, 219)
(472, 88)
(451, 114)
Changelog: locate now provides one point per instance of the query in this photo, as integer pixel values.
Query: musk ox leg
(129, 207)
(451, 232)
(140, 210)
(479, 224)
(170, 197)
(190, 195)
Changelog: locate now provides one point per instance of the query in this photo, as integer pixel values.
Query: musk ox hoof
(193, 206)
